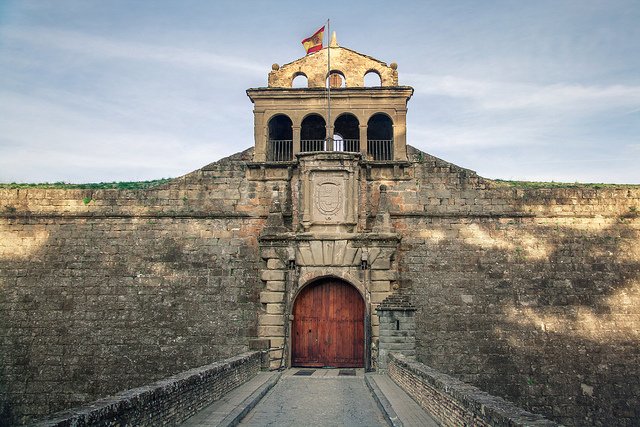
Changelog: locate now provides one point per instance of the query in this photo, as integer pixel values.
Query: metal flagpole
(329, 137)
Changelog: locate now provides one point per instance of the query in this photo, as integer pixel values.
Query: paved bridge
(315, 397)
(236, 391)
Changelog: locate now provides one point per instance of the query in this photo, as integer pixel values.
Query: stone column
(400, 135)
(329, 136)
(363, 141)
(296, 140)
(260, 136)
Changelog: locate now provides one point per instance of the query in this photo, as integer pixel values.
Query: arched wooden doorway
(328, 326)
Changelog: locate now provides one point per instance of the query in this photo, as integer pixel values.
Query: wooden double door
(328, 326)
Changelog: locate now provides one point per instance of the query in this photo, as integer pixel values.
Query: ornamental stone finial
(383, 218)
(334, 40)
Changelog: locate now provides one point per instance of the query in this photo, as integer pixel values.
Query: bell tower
(367, 120)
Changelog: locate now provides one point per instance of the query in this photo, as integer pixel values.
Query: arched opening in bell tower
(372, 78)
(313, 133)
(336, 79)
(380, 137)
(280, 138)
(347, 127)
(299, 80)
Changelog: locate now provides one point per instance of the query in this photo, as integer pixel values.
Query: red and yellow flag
(314, 43)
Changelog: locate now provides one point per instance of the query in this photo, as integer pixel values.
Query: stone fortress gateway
(329, 262)
(334, 243)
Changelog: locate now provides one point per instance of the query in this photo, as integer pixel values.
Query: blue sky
(94, 90)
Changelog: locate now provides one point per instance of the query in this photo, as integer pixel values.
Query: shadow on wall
(542, 311)
(90, 307)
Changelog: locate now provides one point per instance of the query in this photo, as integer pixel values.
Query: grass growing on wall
(134, 185)
(552, 184)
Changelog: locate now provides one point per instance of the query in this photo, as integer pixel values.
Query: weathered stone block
(378, 297)
(380, 286)
(375, 331)
(277, 342)
(384, 275)
(270, 296)
(275, 308)
(275, 264)
(271, 331)
(267, 253)
(275, 285)
(267, 275)
(271, 320)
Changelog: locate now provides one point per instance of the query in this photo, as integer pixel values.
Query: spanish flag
(314, 43)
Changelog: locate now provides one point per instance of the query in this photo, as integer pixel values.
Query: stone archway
(328, 327)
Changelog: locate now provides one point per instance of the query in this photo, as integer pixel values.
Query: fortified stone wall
(102, 291)
(533, 295)
(530, 294)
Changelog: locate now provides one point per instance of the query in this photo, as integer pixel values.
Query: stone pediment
(350, 64)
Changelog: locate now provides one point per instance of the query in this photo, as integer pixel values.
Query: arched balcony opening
(380, 137)
(280, 139)
(346, 133)
(313, 132)
(336, 79)
(372, 79)
(299, 80)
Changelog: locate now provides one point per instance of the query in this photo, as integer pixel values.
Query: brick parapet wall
(454, 403)
(169, 401)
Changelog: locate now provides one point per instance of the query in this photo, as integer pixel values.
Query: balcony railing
(380, 149)
(346, 145)
(307, 145)
(280, 150)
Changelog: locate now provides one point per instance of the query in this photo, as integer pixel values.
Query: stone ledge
(451, 395)
(168, 401)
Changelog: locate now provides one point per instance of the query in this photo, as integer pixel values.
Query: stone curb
(383, 403)
(241, 411)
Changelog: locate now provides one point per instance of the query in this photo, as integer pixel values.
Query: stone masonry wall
(166, 402)
(107, 290)
(454, 403)
(529, 294)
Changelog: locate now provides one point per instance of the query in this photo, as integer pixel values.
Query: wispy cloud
(81, 143)
(485, 114)
(94, 46)
(494, 95)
